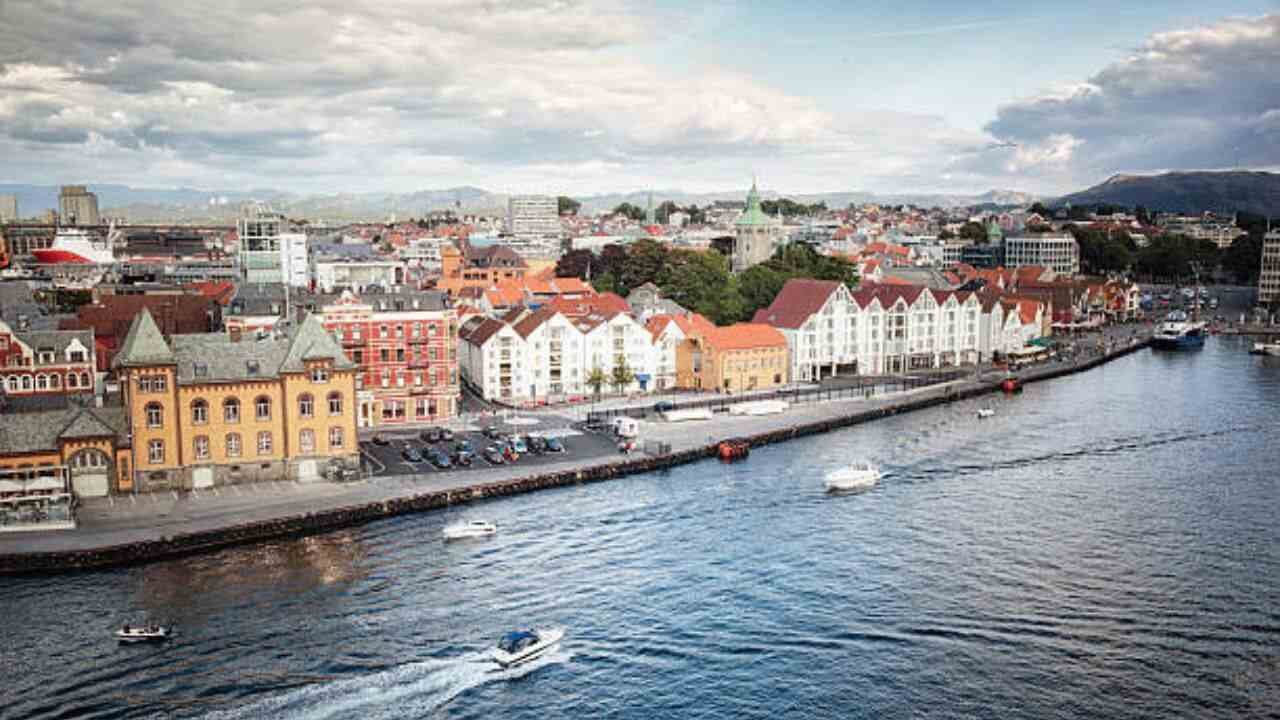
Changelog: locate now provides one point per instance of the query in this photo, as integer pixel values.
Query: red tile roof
(799, 299)
(744, 336)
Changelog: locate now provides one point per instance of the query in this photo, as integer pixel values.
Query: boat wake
(411, 690)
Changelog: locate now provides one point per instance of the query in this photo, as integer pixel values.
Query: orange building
(213, 410)
(745, 356)
(480, 268)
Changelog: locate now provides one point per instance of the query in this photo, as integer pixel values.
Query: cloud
(1207, 97)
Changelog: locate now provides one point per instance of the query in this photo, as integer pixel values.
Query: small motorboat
(521, 646)
(469, 529)
(146, 633)
(1266, 348)
(986, 413)
(858, 476)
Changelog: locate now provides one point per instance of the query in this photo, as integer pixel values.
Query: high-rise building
(1269, 275)
(1059, 253)
(78, 206)
(534, 224)
(268, 254)
(8, 208)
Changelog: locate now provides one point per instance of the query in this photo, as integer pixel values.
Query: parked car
(537, 444)
(446, 435)
(380, 440)
(411, 454)
(431, 435)
(509, 453)
(463, 458)
(493, 454)
(555, 445)
(517, 444)
(440, 459)
(464, 446)
(492, 432)
(663, 406)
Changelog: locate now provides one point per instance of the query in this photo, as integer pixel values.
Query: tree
(577, 263)
(758, 286)
(946, 234)
(612, 258)
(723, 245)
(696, 280)
(595, 380)
(1042, 210)
(662, 214)
(622, 376)
(567, 205)
(974, 232)
(628, 210)
(645, 258)
(1244, 258)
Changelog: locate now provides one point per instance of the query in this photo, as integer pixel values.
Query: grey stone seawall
(324, 521)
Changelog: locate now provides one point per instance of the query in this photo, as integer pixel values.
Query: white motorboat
(149, 633)
(1266, 348)
(860, 475)
(469, 529)
(986, 413)
(521, 646)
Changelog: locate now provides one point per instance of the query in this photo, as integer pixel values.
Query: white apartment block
(268, 254)
(886, 329)
(1269, 276)
(533, 222)
(542, 355)
(1059, 253)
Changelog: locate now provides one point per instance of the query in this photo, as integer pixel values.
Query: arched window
(233, 444)
(307, 441)
(84, 380)
(306, 405)
(262, 407)
(264, 443)
(72, 380)
(335, 438)
(199, 412)
(202, 447)
(12, 383)
(335, 403)
(42, 382)
(155, 415)
(26, 382)
(231, 412)
(55, 381)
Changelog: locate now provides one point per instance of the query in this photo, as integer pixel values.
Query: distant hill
(1189, 192)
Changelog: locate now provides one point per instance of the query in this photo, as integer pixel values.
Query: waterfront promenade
(168, 524)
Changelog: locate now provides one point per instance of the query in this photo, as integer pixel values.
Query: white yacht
(1266, 348)
(469, 529)
(861, 475)
(986, 413)
(521, 646)
(148, 633)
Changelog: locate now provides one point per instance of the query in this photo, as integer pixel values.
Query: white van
(626, 427)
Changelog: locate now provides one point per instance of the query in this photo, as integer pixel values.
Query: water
(1105, 546)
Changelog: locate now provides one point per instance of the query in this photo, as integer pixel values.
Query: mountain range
(193, 205)
(1188, 192)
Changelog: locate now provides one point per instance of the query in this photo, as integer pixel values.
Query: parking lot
(389, 459)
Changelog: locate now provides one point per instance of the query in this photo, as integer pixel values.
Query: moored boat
(521, 646)
(985, 413)
(1178, 332)
(1266, 348)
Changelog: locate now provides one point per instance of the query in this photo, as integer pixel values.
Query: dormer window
(200, 370)
(319, 375)
(252, 367)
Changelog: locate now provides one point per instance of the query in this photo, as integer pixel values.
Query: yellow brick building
(210, 410)
(745, 356)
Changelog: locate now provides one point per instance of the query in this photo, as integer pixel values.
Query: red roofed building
(745, 356)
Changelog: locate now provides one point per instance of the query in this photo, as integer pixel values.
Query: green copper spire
(753, 215)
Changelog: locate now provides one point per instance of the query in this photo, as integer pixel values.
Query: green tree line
(700, 280)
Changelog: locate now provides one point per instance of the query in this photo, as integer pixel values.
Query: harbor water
(1106, 545)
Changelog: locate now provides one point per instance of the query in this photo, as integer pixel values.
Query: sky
(594, 96)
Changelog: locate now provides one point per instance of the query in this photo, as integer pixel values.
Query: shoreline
(312, 523)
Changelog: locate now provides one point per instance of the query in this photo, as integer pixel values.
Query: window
(72, 380)
(382, 331)
(335, 438)
(319, 375)
(42, 382)
(77, 356)
(233, 445)
(155, 452)
(84, 380)
(262, 408)
(335, 403)
(307, 441)
(155, 415)
(264, 443)
(306, 405)
(384, 355)
(202, 447)
(231, 410)
(199, 412)
(11, 383)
